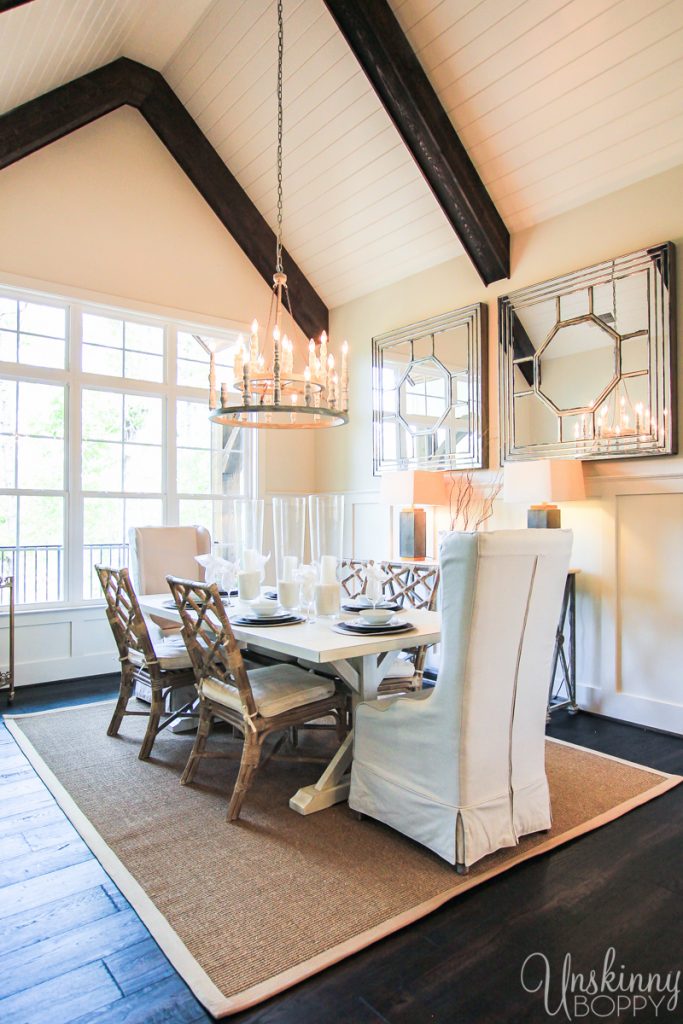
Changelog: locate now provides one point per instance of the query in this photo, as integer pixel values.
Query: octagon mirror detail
(588, 362)
(429, 394)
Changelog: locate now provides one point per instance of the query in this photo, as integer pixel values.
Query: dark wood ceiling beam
(8, 5)
(63, 110)
(387, 58)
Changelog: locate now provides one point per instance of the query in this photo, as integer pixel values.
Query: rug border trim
(206, 991)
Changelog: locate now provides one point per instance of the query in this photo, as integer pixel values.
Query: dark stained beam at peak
(41, 121)
(7, 5)
(387, 58)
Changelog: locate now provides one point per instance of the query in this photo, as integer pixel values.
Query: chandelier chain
(280, 54)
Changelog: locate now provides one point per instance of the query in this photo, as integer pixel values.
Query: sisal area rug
(245, 910)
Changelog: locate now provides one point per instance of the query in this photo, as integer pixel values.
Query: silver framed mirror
(430, 393)
(588, 362)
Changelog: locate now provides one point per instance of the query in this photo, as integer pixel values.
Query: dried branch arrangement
(471, 507)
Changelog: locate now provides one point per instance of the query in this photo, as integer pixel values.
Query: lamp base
(543, 517)
(413, 533)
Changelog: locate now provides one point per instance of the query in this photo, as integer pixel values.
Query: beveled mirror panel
(429, 394)
(588, 362)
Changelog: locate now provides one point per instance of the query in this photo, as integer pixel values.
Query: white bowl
(376, 616)
(263, 608)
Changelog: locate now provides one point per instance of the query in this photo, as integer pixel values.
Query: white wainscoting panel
(63, 643)
(650, 596)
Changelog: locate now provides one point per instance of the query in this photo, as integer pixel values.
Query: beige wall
(619, 615)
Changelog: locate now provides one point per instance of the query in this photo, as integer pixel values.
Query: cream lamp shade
(414, 487)
(542, 483)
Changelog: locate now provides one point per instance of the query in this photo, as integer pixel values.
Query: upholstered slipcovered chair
(461, 768)
(156, 551)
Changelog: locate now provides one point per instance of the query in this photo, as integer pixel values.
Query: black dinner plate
(360, 629)
(267, 620)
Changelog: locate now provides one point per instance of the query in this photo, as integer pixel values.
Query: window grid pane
(123, 443)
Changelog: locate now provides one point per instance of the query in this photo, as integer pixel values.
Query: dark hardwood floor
(72, 950)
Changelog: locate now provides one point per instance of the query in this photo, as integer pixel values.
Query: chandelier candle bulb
(311, 357)
(238, 364)
(212, 381)
(323, 349)
(253, 346)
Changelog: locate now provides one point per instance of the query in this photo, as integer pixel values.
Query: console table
(564, 655)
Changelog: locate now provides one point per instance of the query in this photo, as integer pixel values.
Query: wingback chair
(461, 768)
(156, 551)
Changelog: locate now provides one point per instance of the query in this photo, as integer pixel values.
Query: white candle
(323, 348)
(326, 598)
(311, 357)
(328, 569)
(238, 364)
(250, 560)
(289, 564)
(253, 346)
(288, 593)
(248, 585)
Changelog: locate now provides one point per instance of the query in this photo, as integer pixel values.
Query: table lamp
(544, 482)
(411, 488)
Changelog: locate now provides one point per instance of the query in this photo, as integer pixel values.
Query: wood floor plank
(50, 919)
(62, 1000)
(36, 863)
(59, 954)
(168, 1002)
(17, 824)
(138, 966)
(14, 773)
(24, 803)
(13, 846)
(53, 833)
(41, 890)
(22, 788)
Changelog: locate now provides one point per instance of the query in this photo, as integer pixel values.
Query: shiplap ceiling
(557, 101)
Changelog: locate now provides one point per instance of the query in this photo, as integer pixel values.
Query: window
(103, 426)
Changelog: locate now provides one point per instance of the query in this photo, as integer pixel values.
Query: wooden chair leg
(155, 713)
(251, 755)
(203, 733)
(125, 693)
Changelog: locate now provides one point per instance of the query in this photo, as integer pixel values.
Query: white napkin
(218, 570)
(376, 578)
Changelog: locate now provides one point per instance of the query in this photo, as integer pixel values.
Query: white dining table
(361, 662)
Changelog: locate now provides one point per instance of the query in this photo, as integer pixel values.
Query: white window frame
(75, 380)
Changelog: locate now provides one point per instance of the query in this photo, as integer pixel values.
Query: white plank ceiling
(557, 101)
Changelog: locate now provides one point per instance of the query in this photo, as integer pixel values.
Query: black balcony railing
(38, 569)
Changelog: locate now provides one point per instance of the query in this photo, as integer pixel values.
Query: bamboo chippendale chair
(410, 585)
(162, 666)
(266, 700)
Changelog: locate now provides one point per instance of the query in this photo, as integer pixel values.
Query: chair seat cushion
(276, 689)
(170, 651)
